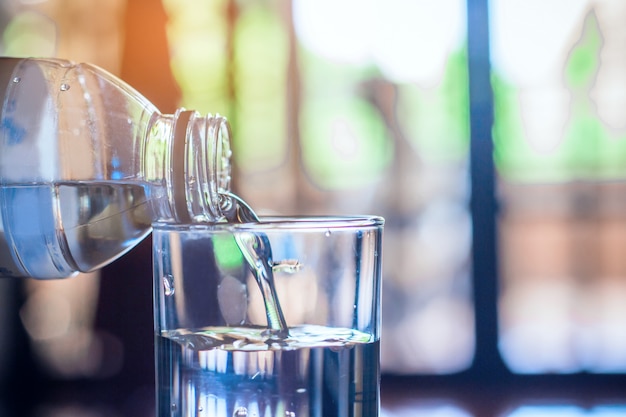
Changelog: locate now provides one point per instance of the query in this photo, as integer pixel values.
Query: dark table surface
(400, 396)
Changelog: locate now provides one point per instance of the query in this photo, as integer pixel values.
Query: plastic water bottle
(87, 164)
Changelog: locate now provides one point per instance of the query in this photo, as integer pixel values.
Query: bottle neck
(189, 155)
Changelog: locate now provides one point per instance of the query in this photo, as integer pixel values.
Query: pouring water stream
(257, 251)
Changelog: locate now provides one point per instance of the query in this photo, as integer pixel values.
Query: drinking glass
(275, 318)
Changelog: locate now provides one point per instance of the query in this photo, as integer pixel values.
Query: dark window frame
(487, 388)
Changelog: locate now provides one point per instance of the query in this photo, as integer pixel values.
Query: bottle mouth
(236, 210)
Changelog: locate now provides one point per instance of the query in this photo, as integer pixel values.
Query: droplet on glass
(241, 412)
(168, 285)
(290, 414)
(327, 233)
(16, 79)
(65, 87)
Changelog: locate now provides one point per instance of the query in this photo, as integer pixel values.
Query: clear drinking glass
(277, 318)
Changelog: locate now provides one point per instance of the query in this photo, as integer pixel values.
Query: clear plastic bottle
(87, 164)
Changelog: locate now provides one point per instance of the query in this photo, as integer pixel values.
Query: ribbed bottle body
(86, 165)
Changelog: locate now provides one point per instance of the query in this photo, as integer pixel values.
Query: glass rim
(283, 223)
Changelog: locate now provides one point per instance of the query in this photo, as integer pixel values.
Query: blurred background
(491, 135)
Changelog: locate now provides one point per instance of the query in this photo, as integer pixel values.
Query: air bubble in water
(16, 79)
(200, 409)
(168, 285)
(290, 414)
(65, 87)
(241, 412)
(327, 233)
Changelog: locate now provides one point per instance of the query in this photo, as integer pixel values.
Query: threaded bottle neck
(200, 166)
(195, 169)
